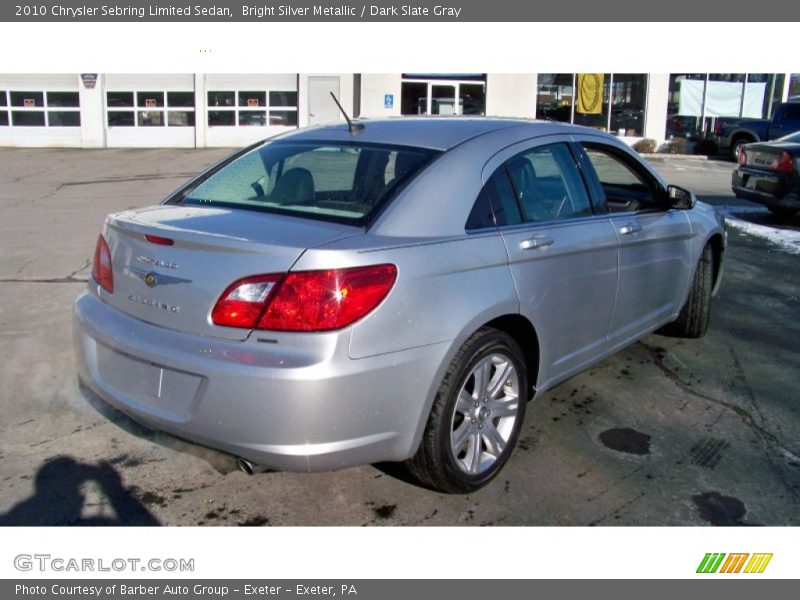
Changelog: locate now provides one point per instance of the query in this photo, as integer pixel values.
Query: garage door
(150, 110)
(246, 108)
(40, 110)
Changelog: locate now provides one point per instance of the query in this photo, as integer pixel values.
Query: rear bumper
(302, 409)
(773, 190)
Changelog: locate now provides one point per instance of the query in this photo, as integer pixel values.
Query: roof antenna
(350, 124)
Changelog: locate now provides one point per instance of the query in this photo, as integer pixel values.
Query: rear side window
(496, 205)
(548, 184)
(346, 183)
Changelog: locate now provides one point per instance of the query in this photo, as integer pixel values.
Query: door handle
(630, 228)
(536, 242)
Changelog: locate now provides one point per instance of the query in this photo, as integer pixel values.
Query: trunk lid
(176, 286)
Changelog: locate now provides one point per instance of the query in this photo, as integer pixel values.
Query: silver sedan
(394, 291)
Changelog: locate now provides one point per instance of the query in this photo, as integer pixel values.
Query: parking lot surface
(666, 432)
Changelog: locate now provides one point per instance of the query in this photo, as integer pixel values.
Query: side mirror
(680, 198)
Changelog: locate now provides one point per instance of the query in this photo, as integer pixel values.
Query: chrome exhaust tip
(245, 466)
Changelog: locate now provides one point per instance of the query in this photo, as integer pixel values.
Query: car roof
(436, 133)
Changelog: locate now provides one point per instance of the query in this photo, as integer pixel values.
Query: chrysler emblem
(152, 279)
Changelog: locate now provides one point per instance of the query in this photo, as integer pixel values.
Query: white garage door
(152, 110)
(40, 110)
(246, 108)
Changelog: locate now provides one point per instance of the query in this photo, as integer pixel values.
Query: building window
(3, 113)
(252, 108)
(696, 100)
(628, 101)
(443, 94)
(606, 101)
(32, 109)
(554, 95)
(794, 86)
(591, 100)
(144, 108)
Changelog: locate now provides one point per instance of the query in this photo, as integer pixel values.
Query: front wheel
(696, 312)
(476, 415)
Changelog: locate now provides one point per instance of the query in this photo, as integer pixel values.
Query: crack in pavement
(126, 179)
(767, 436)
(617, 510)
(71, 278)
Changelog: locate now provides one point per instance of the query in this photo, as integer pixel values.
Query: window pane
(221, 99)
(252, 98)
(625, 189)
(3, 117)
(794, 85)
(548, 184)
(64, 118)
(117, 118)
(496, 204)
(221, 118)
(283, 117)
(66, 99)
(472, 99)
(443, 100)
(685, 104)
(180, 118)
(33, 118)
(3, 100)
(414, 98)
(283, 98)
(149, 99)
(252, 118)
(27, 99)
(151, 118)
(554, 94)
(119, 99)
(591, 100)
(311, 180)
(628, 104)
(180, 99)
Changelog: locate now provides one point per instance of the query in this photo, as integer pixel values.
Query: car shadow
(221, 462)
(60, 499)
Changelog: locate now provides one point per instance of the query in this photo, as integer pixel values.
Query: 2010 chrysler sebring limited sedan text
(394, 291)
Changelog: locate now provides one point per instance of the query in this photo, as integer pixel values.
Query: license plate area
(169, 393)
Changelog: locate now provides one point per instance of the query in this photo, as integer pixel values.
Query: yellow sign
(590, 94)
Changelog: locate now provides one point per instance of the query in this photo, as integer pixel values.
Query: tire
(782, 213)
(476, 416)
(694, 316)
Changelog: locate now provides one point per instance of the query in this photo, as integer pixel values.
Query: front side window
(346, 183)
(626, 188)
(548, 184)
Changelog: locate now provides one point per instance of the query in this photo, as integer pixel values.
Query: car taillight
(783, 163)
(243, 302)
(742, 156)
(304, 300)
(101, 267)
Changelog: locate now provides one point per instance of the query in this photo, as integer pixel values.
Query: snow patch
(787, 239)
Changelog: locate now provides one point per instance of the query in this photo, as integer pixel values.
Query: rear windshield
(346, 183)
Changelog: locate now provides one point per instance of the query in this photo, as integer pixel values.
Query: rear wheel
(693, 319)
(782, 213)
(476, 416)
